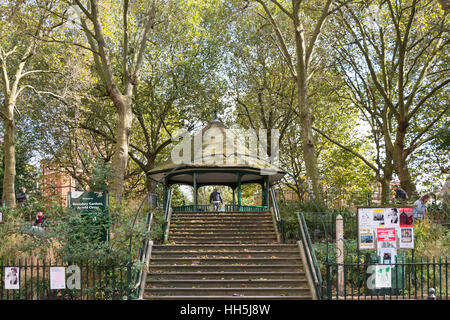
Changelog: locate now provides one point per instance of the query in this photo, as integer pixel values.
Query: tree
(21, 25)
(179, 85)
(397, 72)
(305, 23)
(113, 42)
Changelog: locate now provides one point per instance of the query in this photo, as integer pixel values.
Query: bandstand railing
(227, 207)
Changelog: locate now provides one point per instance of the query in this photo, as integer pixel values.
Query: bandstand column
(195, 191)
(239, 191)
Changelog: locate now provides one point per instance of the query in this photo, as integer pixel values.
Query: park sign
(88, 201)
(93, 206)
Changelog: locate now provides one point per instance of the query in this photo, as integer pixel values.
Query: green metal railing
(167, 215)
(144, 257)
(311, 260)
(281, 225)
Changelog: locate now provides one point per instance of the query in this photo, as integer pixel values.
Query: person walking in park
(40, 218)
(22, 197)
(420, 209)
(400, 194)
(215, 198)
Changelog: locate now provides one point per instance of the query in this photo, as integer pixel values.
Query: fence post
(340, 254)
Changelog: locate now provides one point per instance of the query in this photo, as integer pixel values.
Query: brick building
(56, 184)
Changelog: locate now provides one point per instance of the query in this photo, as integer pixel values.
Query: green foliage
(97, 169)
(431, 240)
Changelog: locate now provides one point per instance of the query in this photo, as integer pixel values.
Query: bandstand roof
(218, 161)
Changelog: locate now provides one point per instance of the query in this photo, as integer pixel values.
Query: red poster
(385, 234)
(406, 217)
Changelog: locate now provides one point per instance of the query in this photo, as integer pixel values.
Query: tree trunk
(309, 154)
(385, 190)
(10, 158)
(123, 140)
(400, 163)
(406, 181)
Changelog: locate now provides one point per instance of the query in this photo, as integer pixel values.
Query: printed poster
(366, 239)
(378, 218)
(57, 278)
(406, 238)
(383, 276)
(371, 218)
(12, 278)
(391, 218)
(365, 218)
(406, 217)
(386, 234)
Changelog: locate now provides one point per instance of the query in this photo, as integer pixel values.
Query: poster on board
(406, 238)
(378, 218)
(57, 278)
(366, 239)
(387, 255)
(383, 276)
(365, 218)
(386, 234)
(371, 218)
(12, 278)
(391, 218)
(406, 217)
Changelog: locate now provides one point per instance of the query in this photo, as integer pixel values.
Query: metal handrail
(279, 220)
(312, 262)
(275, 205)
(144, 257)
(167, 216)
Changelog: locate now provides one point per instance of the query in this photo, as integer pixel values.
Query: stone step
(203, 223)
(251, 227)
(237, 297)
(226, 292)
(216, 247)
(160, 268)
(226, 275)
(225, 236)
(221, 233)
(224, 241)
(212, 275)
(218, 212)
(221, 218)
(221, 225)
(220, 230)
(224, 218)
(224, 261)
(225, 254)
(244, 283)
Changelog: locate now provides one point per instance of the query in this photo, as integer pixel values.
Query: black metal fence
(353, 278)
(83, 281)
(413, 279)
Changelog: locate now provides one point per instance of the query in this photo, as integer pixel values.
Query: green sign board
(88, 201)
(93, 206)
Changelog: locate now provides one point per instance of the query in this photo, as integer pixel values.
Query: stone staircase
(218, 255)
